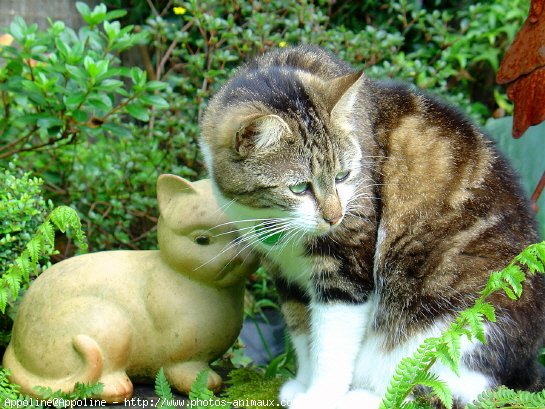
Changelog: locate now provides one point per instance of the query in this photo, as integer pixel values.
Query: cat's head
(281, 144)
(195, 237)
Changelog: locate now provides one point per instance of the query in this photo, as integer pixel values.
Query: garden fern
(41, 245)
(509, 399)
(163, 391)
(415, 371)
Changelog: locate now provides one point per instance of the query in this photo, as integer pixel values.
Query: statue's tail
(90, 372)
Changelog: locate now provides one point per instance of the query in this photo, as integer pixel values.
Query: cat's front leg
(296, 315)
(293, 388)
(337, 329)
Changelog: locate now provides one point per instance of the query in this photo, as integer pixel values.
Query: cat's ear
(341, 91)
(259, 132)
(169, 187)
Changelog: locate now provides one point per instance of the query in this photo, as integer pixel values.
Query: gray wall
(37, 11)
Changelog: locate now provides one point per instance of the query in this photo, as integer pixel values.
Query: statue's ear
(259, 132)
(169, 188)
(339, 91)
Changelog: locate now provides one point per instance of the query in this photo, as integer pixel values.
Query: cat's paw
(290, 390)
(314, 400)
(359, 398)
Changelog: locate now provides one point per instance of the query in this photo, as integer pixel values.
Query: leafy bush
(22, 210)
(61, 90)
(58, 86)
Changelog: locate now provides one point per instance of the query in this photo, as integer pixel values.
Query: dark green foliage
(59, 86)
(10, 392)
(28, 237)
(64, 400)
(64, 101)
(22, 210)
(247, 385)
(42, 244)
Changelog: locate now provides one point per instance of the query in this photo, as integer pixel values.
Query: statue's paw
(359, 398)
(182, 375)
(214, 381)
(117, 387)
(290, 390)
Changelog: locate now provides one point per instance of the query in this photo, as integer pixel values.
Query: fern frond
(4, 297)
(439, 387)
(199, 388)
(47, 231)
(85, 390)
(475, 321)
(40, 245)
(504, 397)
(64, 217)
(200, 393)
(13, 283)
(34, 248)
(163, 390)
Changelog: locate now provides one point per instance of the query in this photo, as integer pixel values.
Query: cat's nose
(333, 220)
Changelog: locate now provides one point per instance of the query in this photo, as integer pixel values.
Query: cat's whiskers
(251, 237)
(246, 221)
(224, 207)
(258, 237)
(235, 230)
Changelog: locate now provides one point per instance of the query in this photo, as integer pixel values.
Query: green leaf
(83, 9)
(109, 85)
(35, 248)
(78, 73)
(49, 122)
(452, 342)
(100, 101)
(154, 101)
(486, 309)
(74, 99)
(18, 28)
(138, 111)
(156, 85)
(119, 131)
(531, 260)
(79, 115)
(115, 14)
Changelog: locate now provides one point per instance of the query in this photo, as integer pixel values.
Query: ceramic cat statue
(113, 316)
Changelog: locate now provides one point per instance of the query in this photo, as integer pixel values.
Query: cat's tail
(90, 371)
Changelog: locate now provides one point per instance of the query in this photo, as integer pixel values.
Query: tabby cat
(381, 212)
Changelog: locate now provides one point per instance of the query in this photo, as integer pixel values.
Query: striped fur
(429, 208)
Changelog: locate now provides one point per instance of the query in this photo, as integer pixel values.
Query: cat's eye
(300, 188)
(341, 176)
(202, 240)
